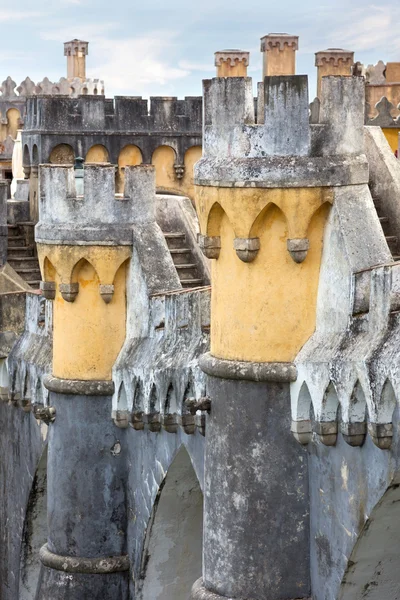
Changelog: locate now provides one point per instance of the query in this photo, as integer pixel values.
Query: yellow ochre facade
(264, 310)
(89, 330)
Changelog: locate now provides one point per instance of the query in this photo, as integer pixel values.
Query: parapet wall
(124, 114)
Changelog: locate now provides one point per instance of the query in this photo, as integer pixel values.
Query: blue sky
(166, 47)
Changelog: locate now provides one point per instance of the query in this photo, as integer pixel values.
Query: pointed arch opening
(172, 552)
(373, 570)
(330, 404)
(387, 402)
(304, 403)
(358, 404)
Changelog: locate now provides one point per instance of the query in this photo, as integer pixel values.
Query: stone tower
(76, 52)
(263, 196)
(84, 239)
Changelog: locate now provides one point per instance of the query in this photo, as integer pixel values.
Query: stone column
(262, 223)
(232, 63)
(333, 61)
(279, 54)
(84, 262)
(33, 192)
(3, 222)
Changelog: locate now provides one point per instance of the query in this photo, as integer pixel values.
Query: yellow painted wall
(11, 127)
(97, 154)
(342, 68)
(392, 136)
(227, 69)
(129, 156)
(263, 311)
(63, 154)
(166, 181)
(88, 333)
(279, 62)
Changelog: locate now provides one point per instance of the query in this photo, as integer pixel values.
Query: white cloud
(135, 65)
(12, 16)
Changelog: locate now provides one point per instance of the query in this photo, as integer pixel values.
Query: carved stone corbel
(179, 171)
(381, 434)
(69, 291)
(106, 292)
(247, 248)
(209, 245)
(354, 433)
(302, 431)
(298, 248)
(326, 432)
(48, 289)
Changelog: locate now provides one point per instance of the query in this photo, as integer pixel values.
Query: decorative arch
(387, 402)
(214, 219)
(170, 405)
(373, 569)
(153, 400)
(304, 403)
(85, 267)
(34, 534)
(62, 154)
(330, 404)
(26, 158)
(13, 122)
(172, 552)
(35, 155)
(163, 159)
(97, 154)
(357, 404)
(130, 155)
(269, 212)
(122, 400)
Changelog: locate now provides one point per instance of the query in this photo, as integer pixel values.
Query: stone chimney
(232, 63)
(279, 51)
(76, 51)
(333, 61)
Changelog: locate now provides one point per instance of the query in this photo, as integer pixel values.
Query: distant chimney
(232, 63)
(333, 61)
(279, 51)
(76, 51)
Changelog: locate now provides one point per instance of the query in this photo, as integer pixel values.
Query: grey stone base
(75, 564)
(279, 372)
(78, 387)
(199, 592)
(56, 585)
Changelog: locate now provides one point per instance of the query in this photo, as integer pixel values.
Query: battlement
(68, 87)
(232, 134)
(98, 215)
(123, 114)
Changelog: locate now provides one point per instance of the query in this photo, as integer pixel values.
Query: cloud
(12, 16)
(136, 65)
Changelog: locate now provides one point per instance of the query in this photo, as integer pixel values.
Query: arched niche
(13, 120)
(172, 555)
(62, 154)
(130, 155)
(34, 533)
(164, 159)
(97, 154)
(373, 571)
(192, 155)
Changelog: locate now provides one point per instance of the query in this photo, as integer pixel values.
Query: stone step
(29, 274)
(175, 240)
(191, 282)
(23, 262)
(16, 240)
(185, 266)
(19, 251)
(391, 240)
(181, 255)
(34, 284)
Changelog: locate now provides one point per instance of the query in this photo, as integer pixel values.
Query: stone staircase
(184, 261)
(21, 255)
(391, 239)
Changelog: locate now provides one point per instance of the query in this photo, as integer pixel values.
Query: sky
(166, 47)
